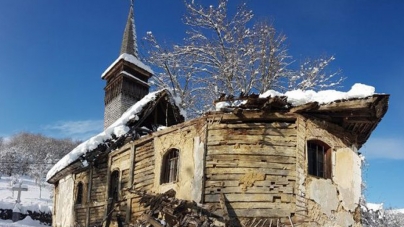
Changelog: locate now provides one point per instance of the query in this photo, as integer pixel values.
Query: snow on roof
(300, 97)
(130, 58)
(118, 128)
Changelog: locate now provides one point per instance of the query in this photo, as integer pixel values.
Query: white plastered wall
(333, 202)
(348, 177)
(64, 212)
(191, 150)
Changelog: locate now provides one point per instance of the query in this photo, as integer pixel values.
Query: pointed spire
(129, 40)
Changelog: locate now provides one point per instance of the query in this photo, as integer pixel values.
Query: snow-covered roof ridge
(118, 128)
(129, 58)
(300, 97)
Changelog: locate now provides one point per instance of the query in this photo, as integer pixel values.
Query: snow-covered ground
(29, 199)
(27, 222)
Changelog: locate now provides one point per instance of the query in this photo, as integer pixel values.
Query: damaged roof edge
(115, 132)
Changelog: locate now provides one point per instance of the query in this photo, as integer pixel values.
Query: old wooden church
(262, 163)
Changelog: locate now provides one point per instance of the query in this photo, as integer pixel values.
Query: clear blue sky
(52, 53)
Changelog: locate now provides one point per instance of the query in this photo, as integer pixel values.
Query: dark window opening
(319, 159)
(170, 166)
(114, 185)
(79, 197)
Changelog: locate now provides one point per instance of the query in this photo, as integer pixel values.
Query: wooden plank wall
(254, 166)
(81, 216)
(97, 194)
(80, 209)
(96, 215)
(143, 178)
(99, 180)
(121, 160)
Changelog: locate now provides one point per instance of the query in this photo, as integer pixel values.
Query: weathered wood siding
(254, 166)
(91, 210)
(99, 182)
(81, 216)
(143, 174)
(120, 161)
(81, 209)
(96, 215)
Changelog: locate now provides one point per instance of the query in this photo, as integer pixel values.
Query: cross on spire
(129, 40)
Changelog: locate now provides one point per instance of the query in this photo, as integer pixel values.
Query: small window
(319, 159)
(114, 185)
(170, 166)
(80, 191)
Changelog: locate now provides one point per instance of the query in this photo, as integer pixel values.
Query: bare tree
(32, 154)
(230, 54)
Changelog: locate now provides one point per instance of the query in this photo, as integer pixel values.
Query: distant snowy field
(29, 199)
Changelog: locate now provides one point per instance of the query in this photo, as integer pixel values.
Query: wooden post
(89, 188)
(131, 174)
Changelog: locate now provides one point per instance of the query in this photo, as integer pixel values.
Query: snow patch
(29, 199)
(222, 105)
(300, 97)
(374, 206)
(130, 58)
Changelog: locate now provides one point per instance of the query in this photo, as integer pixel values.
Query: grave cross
(19, 189)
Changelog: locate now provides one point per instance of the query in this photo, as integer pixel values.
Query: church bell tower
(127, 78)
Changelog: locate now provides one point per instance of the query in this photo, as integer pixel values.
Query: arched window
(114, 185)
(80, 191)
(170, 166)
(319, 159)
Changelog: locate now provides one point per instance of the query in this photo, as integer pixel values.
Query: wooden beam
(304, 107)
(251, 116)
(88, 202)
(355, 104)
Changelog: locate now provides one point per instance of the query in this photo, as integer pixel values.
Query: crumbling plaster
(186, 140)
(348, 178)
(332, 202)
(324, 193)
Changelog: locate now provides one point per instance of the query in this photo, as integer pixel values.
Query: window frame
(319, 160)
(113, 192)
(79, 193)
(170, 166)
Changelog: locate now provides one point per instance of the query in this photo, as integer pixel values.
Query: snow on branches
(226, 53)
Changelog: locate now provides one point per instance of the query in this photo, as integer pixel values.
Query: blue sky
(52, 53)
